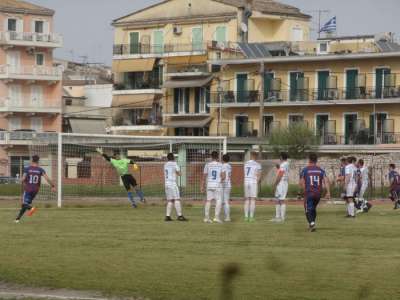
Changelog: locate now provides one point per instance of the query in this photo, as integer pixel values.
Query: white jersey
(352, 171)
(213, 170)
(170, 170)
(284, 169)
(227, 169)
(364, 175)
(251, 171)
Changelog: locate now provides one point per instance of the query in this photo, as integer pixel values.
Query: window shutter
(207, 91)
(187, 100)
(176, 101)
(197, 100)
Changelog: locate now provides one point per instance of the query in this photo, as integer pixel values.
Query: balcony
(32, 73)
(307, 97)
(31, 39)
(141, 50)
(195, 70)
(19, 106)
(138, 88)
(25, 137)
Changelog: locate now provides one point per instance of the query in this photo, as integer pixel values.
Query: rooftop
(23, 7)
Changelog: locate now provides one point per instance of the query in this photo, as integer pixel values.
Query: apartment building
(163, 81)
(30, 86)
(347, 89)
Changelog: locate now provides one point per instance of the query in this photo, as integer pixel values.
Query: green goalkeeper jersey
(121, 165)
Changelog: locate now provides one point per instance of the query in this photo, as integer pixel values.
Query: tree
(296, 140)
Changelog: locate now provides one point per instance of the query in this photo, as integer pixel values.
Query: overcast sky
(85, 24)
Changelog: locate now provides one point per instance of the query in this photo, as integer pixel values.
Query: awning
(90, 126)
(133, 101)
(133, 65)
(186, 60)
(185, 83)
(190, 123)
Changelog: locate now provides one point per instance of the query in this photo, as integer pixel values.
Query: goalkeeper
(122, 167)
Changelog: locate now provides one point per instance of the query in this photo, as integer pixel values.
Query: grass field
(129, 253)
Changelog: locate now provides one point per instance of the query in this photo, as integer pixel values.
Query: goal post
(82, 174)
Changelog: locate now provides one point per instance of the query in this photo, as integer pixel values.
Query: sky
(88, 34)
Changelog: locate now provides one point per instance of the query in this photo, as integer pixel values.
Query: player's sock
(246, 208)
(169, 208)
(178, 208)
(207, 210)
(23, 210)
(227, 210)
(352, 209)
(252, 208)
(130, 197)
(283, 211)
(140, 194)
(218, 208)
(348, 209)
(277, 211)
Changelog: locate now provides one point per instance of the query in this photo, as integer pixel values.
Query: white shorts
(281, 190)
(351, 190)
(250, 190)
(172, 192)
(226, 194)
(214, 194)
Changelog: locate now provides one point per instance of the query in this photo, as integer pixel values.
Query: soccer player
(122, 167)
(226, 186)
(342, 176)
(171, 171)
(213, 176)
(312, 180)
(363, 205)
(252, 177)
(31, 181)
(281, 189)
(350, 186)
(394, 179)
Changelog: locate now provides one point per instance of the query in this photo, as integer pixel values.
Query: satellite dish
(244, 27)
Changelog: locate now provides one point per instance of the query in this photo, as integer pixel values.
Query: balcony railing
(142, 48)
(10, 37)
(34, 105)
(26, 136)
(31, 72)
(142, 85)
(189, 69)
(304, 95)
(360, 138)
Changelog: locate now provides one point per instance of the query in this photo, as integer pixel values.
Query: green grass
(124, 252)
(116, 191)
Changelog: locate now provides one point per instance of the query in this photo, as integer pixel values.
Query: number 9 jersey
(213, 170)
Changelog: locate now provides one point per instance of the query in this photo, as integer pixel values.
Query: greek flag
(330, 26)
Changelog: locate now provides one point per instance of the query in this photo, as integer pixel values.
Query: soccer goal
(83, 175)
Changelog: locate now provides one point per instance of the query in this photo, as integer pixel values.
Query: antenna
(320, 12)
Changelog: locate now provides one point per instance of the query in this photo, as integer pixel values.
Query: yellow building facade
(163, 80)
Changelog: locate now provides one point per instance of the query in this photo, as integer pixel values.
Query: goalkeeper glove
(100, 150)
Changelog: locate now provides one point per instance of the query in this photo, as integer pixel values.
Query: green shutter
(176, 100)
(379, 81)
(197, 39)
(197, 100)
(158, 41)
(267, 84)
(134, 43)
(220, 34)
(349, 127)
(187, 100)
(241, 86)
(351, 84)
(295, 93)
(323, 85)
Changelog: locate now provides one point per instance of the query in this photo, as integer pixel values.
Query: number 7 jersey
(213, 170)
(251, 171)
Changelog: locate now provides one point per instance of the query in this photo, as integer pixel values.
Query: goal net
(83, 175)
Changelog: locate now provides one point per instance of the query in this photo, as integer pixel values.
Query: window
(181, 100)
(39, 59)
(39, 26)
(14, 124)
(268, 125)
(295, 119)
(323, 48)
(12, 25)
(37, 124)
(297, 34)
(220, 35)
